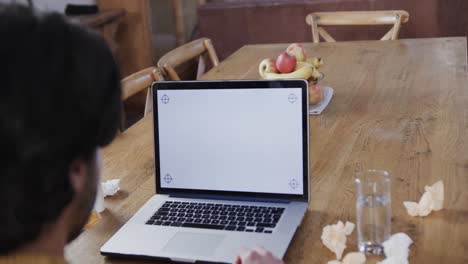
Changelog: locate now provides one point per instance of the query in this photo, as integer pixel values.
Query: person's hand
(257, 256)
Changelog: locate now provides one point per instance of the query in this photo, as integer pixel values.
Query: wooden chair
(196, 49)
(353, 18)
(141, 81)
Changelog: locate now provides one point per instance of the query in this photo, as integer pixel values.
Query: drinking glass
(373, 210)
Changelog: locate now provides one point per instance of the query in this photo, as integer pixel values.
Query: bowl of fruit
(293, 63)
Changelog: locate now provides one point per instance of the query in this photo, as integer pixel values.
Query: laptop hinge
(230, 198)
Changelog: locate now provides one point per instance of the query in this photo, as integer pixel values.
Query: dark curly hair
(60, 99)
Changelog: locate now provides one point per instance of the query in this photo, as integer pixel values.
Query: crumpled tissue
(396, 249)
(110, 187)
(334, 237)
(431, 200)
(351, 258)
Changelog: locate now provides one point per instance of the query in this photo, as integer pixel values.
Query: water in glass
(373, 210)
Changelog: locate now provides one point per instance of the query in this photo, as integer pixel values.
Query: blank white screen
(247, 140)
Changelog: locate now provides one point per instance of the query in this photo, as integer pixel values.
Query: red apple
(297, 51)
(285, 63)
(315, 94)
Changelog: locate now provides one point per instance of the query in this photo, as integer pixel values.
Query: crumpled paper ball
(431, 200)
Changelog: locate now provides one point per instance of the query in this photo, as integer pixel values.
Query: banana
(316, 75)
(303, 71)
(302, 64)
(317, 62)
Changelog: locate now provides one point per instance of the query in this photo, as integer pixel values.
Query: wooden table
(398, 105)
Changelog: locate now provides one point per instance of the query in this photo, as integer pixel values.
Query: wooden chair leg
(315, 35)
(149, 101)
(209, 47)
(388, 35)
(325, 35)
(201, 66)
(396, 28)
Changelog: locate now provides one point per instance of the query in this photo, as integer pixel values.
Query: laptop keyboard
(241, 218)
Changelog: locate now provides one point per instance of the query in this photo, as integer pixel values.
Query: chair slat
(325, 35)
(352, 18)
(138, 82)
(190, 51)
(388, 35)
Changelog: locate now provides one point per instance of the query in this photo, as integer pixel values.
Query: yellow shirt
(31, 259)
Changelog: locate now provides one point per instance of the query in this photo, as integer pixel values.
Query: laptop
(231, 171)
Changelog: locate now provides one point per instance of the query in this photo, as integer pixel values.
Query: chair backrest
(140, 81)
(192, 50)
(356, 18)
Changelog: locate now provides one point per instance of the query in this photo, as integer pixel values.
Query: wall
(250, 22)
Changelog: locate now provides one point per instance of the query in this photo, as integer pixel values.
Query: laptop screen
(236, 140)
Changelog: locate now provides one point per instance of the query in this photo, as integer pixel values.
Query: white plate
(317, 109)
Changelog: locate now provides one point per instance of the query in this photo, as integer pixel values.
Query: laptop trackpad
(193, 244)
